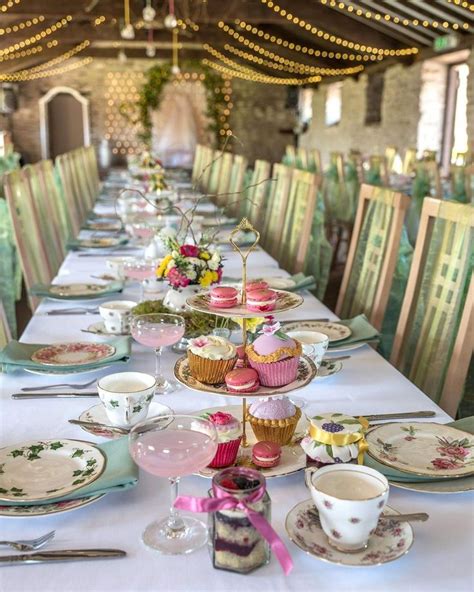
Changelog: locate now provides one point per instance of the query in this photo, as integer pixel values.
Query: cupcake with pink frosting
(229, 434)
(274, 355)
(274, 419)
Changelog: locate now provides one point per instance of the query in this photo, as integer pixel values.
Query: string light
(256, 77)
(23, 53)
(9, 4)
(291, 66)
(388, 18)
(22, 25)
(25, 75)
(335, 39)
(62, 58)
(313, 52)
(466, 5)
(38, 37)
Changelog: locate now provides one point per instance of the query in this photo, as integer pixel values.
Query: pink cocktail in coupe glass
(156, 331)
(173, 446)
(140, 270)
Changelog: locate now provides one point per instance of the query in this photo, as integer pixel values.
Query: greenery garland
(151, 93)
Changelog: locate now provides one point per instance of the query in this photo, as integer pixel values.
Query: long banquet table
(442, 554)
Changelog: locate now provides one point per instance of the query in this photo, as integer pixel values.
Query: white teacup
(115, 265)
(116, 315)
(126, 396)
(349, 499)
(314, 344)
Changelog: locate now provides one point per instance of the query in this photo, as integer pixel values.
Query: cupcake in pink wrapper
(229, 433)
(274, 355)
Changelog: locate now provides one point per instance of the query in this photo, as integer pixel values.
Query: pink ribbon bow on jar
(223, 501)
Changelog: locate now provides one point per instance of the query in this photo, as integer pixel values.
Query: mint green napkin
(466, 424)
(76, 244)
(17, 356)
(361, 329)
(302, 282)
(120, 474)
(43, 291)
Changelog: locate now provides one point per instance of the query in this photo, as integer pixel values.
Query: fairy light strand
(23, 53)
(10, 4)
(256, 77)
(25, 75)
(335, 39)
(37, 37)
(20, 26)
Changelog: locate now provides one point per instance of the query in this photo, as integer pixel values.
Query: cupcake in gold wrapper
(210, 358)
(274, 419)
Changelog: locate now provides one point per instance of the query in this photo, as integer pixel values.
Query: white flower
(174, 254)
(171, 264)
(191, 274)
(195, 261)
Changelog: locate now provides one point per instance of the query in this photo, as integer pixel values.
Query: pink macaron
(256, 285)
(223, 297)
(266, 454)
(261, 300)
(242, 380)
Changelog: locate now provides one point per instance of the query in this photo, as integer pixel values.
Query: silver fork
(29, 545)
(27, 389)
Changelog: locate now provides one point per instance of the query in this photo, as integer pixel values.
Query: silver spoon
(98, 425)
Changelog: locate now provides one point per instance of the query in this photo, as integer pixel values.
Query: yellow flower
(206, 279)
(215, 276)
(204, 255)
(162, 267)
(252, 323)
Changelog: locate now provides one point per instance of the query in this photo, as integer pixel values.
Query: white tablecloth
(440, 559)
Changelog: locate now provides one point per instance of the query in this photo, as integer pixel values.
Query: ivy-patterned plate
(72, 354)
(104, 226)
(293, 458)
(47, 509)
(335, 331)
(100, 243)
(390, 541)
(328, 368)
(306, 372)
(78, 290)
(45, 469)
(285, 301)
(425, 449)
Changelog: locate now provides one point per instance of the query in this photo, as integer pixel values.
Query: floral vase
(175, 298)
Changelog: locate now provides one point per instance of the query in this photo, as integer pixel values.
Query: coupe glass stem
(160, 379)
(176, 526)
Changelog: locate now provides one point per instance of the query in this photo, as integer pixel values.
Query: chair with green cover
(377, 173)
(277, 205)
(409, 161)
(87, 194)
(289, 157)
(214, 174)
(427, 182)
(434, 341)
(372, 255)
(5, 334)
(314, 161)
(297, 224)
(236, 187)
(257, 193)
(222, 191)
(197, 163)
(30, 245)
(71, 192)
(462, 183)
(390, 155)
(204, 176)
(302, 158)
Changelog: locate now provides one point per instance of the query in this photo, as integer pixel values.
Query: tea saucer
(97, 414)
(99, 329)
(327, 369)
(390, 541)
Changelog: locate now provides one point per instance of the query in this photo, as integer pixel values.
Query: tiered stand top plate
(285, 301)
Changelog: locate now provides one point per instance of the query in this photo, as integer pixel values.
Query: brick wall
(258, 112)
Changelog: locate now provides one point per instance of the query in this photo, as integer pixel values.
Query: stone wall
(258, 110)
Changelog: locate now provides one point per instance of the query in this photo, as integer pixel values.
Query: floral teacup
(349, 499)
(314, 344)
(126, 396)
(116, 315)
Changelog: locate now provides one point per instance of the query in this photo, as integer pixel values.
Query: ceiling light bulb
(127, 32)
(170, 21)
(148, 14)
(150, 51)
(175, 70)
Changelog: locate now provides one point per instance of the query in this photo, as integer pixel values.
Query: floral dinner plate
(72, 354)
(77, 290)
(39, 470)
(293, 457)
(46, 509)
(391, 540)
(99, 243)
(306, 372)
(425, 449)
(335, 331)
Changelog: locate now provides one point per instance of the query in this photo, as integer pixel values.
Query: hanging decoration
(127, 31)
(149, 12)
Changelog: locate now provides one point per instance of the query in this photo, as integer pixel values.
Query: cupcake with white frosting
(210, 358)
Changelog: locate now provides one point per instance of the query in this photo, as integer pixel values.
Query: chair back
(298, 220)
(390, 155)
(302, 158)
(197, 164)
(5, 335)
(314, 161)
(430, 170)
(258, 192)
(236, 184)
(409, 161)
(434, 339)
(223, 197)
(214, 174)
(71, 192)
(277, 205)
(204, 175)
(290, 155)
(372, 255)
(462, 183)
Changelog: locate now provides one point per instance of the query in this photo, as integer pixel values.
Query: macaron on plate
(306, 373)
(284, 301)
(292, 459)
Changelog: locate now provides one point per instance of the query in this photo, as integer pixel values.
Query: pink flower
(199, 342)
(444, 463)
(189, 250)
(220, 418)
(271, 327)
(327, 504)
(177, 279)
(455, 451)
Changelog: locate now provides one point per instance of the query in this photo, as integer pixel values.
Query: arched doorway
(64, 121)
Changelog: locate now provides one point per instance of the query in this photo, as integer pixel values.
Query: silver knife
(56, 313)
(406, 415)
(67, 555)
(55, 395)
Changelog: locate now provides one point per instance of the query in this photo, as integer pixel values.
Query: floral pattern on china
(18, 511)
(77, 289)
(72, 354)
(427, 449)
(390, 540)
(45, 469)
